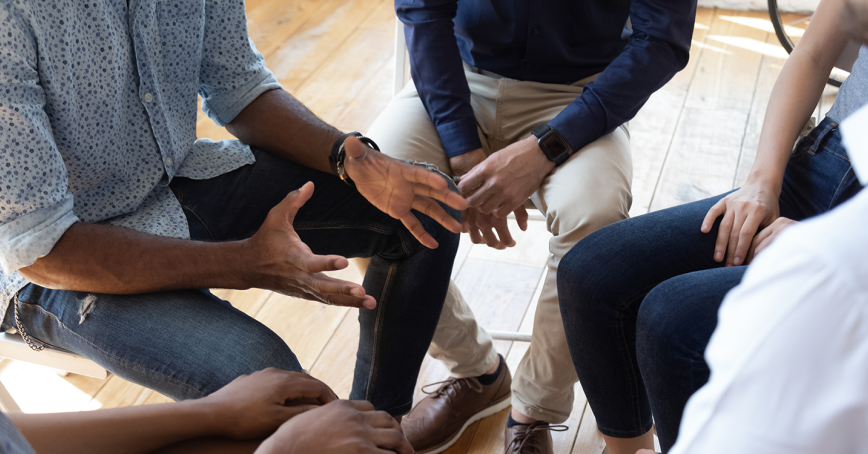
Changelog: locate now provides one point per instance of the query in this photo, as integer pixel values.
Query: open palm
(396, 188)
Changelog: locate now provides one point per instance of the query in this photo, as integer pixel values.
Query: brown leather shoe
(535, 438)
(438, 420)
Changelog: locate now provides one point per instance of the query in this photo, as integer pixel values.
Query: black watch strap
(338, 155)
(552, 144)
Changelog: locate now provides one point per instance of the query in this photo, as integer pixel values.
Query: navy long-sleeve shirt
(549, 41)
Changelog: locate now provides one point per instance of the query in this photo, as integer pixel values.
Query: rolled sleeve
(35, 202)
(33, 235)
(233, 72)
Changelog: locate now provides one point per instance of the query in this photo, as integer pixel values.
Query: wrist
(462, 163)
(765, 182)
(244, 261)
(206, 417)
(542, 161)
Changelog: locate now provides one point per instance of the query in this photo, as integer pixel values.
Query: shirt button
(536, 30)
(169, 162)
(149, 97)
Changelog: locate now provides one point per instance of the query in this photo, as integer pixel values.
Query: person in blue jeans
(115, 220)
(639, 298)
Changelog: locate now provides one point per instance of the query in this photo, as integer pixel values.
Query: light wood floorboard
(695, 138)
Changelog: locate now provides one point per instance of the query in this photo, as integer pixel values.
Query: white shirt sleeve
(789, 358)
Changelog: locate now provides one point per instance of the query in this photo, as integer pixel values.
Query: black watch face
(553, 146)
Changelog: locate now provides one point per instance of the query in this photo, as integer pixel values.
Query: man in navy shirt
(522, 100)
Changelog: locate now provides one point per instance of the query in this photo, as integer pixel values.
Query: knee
(589, 276)
(576, 218)
(243, 351)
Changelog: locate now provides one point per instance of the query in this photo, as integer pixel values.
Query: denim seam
(180, 197)
(836, 153)
(630, 433)
(631, 374)
(403, 408)
(839, 189)
(116, 358)
(384, 298)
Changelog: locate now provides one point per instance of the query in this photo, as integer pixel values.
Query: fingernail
(737, 261)
(704, 226)
(718, 256)
(358, 292)
(370, 303)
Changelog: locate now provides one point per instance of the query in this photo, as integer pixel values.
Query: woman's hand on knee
(752, 207)
(255, 405)
(341, 427)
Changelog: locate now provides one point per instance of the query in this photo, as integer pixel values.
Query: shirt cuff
(578, 124)
(223, 108)
(459, 136)
(34, 234)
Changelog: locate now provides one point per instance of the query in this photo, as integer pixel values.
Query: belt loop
(827, 128)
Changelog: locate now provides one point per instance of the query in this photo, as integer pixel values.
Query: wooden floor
(695, 138)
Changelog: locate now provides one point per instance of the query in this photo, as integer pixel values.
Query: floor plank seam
(326, 344)
(334, 53)
(747, 122)
(680, 112)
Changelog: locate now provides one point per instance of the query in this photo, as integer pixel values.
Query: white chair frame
(12, 346)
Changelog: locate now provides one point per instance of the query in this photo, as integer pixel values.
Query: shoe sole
(498, 406)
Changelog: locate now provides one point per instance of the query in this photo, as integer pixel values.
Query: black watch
(552, 144)
(338, 155)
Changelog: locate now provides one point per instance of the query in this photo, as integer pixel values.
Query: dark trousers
(187, 344)
(639, 298)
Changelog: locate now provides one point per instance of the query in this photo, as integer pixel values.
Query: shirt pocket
(181, 24)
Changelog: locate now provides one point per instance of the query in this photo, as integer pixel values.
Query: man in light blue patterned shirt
(114, 219)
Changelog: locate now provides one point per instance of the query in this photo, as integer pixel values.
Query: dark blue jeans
(187, 344)
(640, 297)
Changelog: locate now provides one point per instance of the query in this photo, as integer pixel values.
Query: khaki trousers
(589, 191)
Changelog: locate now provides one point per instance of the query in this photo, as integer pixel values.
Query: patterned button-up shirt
(98, 113)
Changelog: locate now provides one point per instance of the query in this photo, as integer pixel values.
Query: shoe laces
(450, 387)
(525, 441)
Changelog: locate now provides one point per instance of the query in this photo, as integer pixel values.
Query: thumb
(521, 217)
(354, 147)
(295, 200)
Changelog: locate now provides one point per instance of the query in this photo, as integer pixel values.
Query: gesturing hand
(342, 427)
(254, 406)
(281, 262)
(396, 187)
(744, 211)
(502, 182)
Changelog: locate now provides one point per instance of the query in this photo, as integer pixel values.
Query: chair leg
(7, 403)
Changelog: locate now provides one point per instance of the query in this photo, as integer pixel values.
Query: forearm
(792, 102)
(127, 430)
(279, 123)
(116, 260)
(796, 93)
